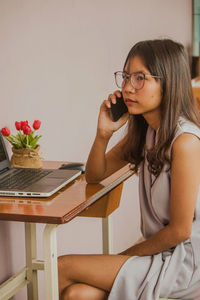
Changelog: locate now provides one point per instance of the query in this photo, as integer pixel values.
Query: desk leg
(107, 235)
(50, 262)
(31, 254)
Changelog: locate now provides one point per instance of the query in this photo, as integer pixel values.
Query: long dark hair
(169, 60)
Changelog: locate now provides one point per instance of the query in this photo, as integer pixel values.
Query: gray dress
(173, 273)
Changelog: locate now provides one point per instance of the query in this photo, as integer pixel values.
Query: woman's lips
(129, 101)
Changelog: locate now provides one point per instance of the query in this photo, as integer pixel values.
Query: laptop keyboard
(19, 179)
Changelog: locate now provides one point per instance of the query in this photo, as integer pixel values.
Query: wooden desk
(76, 199)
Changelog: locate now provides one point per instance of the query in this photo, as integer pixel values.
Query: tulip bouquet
(26, 137)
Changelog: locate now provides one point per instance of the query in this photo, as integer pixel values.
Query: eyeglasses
(137, 79)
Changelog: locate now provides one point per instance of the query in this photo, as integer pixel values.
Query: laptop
(24, 182)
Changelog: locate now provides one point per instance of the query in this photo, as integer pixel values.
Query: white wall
(57, 59)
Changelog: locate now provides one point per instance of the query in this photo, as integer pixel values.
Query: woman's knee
(75, 292)
(69, 293)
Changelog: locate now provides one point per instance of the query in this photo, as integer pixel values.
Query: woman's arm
(185, 183)
(99, 164)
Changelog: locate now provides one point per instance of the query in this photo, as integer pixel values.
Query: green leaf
(14, 141)
(34, 141)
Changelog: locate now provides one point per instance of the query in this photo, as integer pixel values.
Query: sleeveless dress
(173, 273)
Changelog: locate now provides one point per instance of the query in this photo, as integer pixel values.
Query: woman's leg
(88, 276)
(82, 291)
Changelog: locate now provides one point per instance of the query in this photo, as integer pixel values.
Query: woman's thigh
(95, 270)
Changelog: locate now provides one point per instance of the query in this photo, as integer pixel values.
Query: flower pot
(26, 158)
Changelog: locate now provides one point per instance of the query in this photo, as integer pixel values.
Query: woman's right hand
(106, 126)
(99, 164)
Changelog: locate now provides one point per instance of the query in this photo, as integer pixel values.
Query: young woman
(163, 143)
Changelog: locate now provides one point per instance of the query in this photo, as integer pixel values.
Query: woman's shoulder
(187, 137)
(186, 143)
(186, 126)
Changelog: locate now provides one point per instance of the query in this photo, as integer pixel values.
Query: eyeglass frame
(130, 75)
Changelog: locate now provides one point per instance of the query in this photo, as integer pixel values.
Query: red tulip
(5, 131)
(36, 124)
(23, 124)
(18, 125)
(26, 129)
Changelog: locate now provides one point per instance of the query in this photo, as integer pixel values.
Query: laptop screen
(4, 159)
(2, 152)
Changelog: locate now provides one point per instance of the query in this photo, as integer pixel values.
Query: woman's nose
(128, 87)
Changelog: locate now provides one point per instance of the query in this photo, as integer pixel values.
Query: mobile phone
(118, 109)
